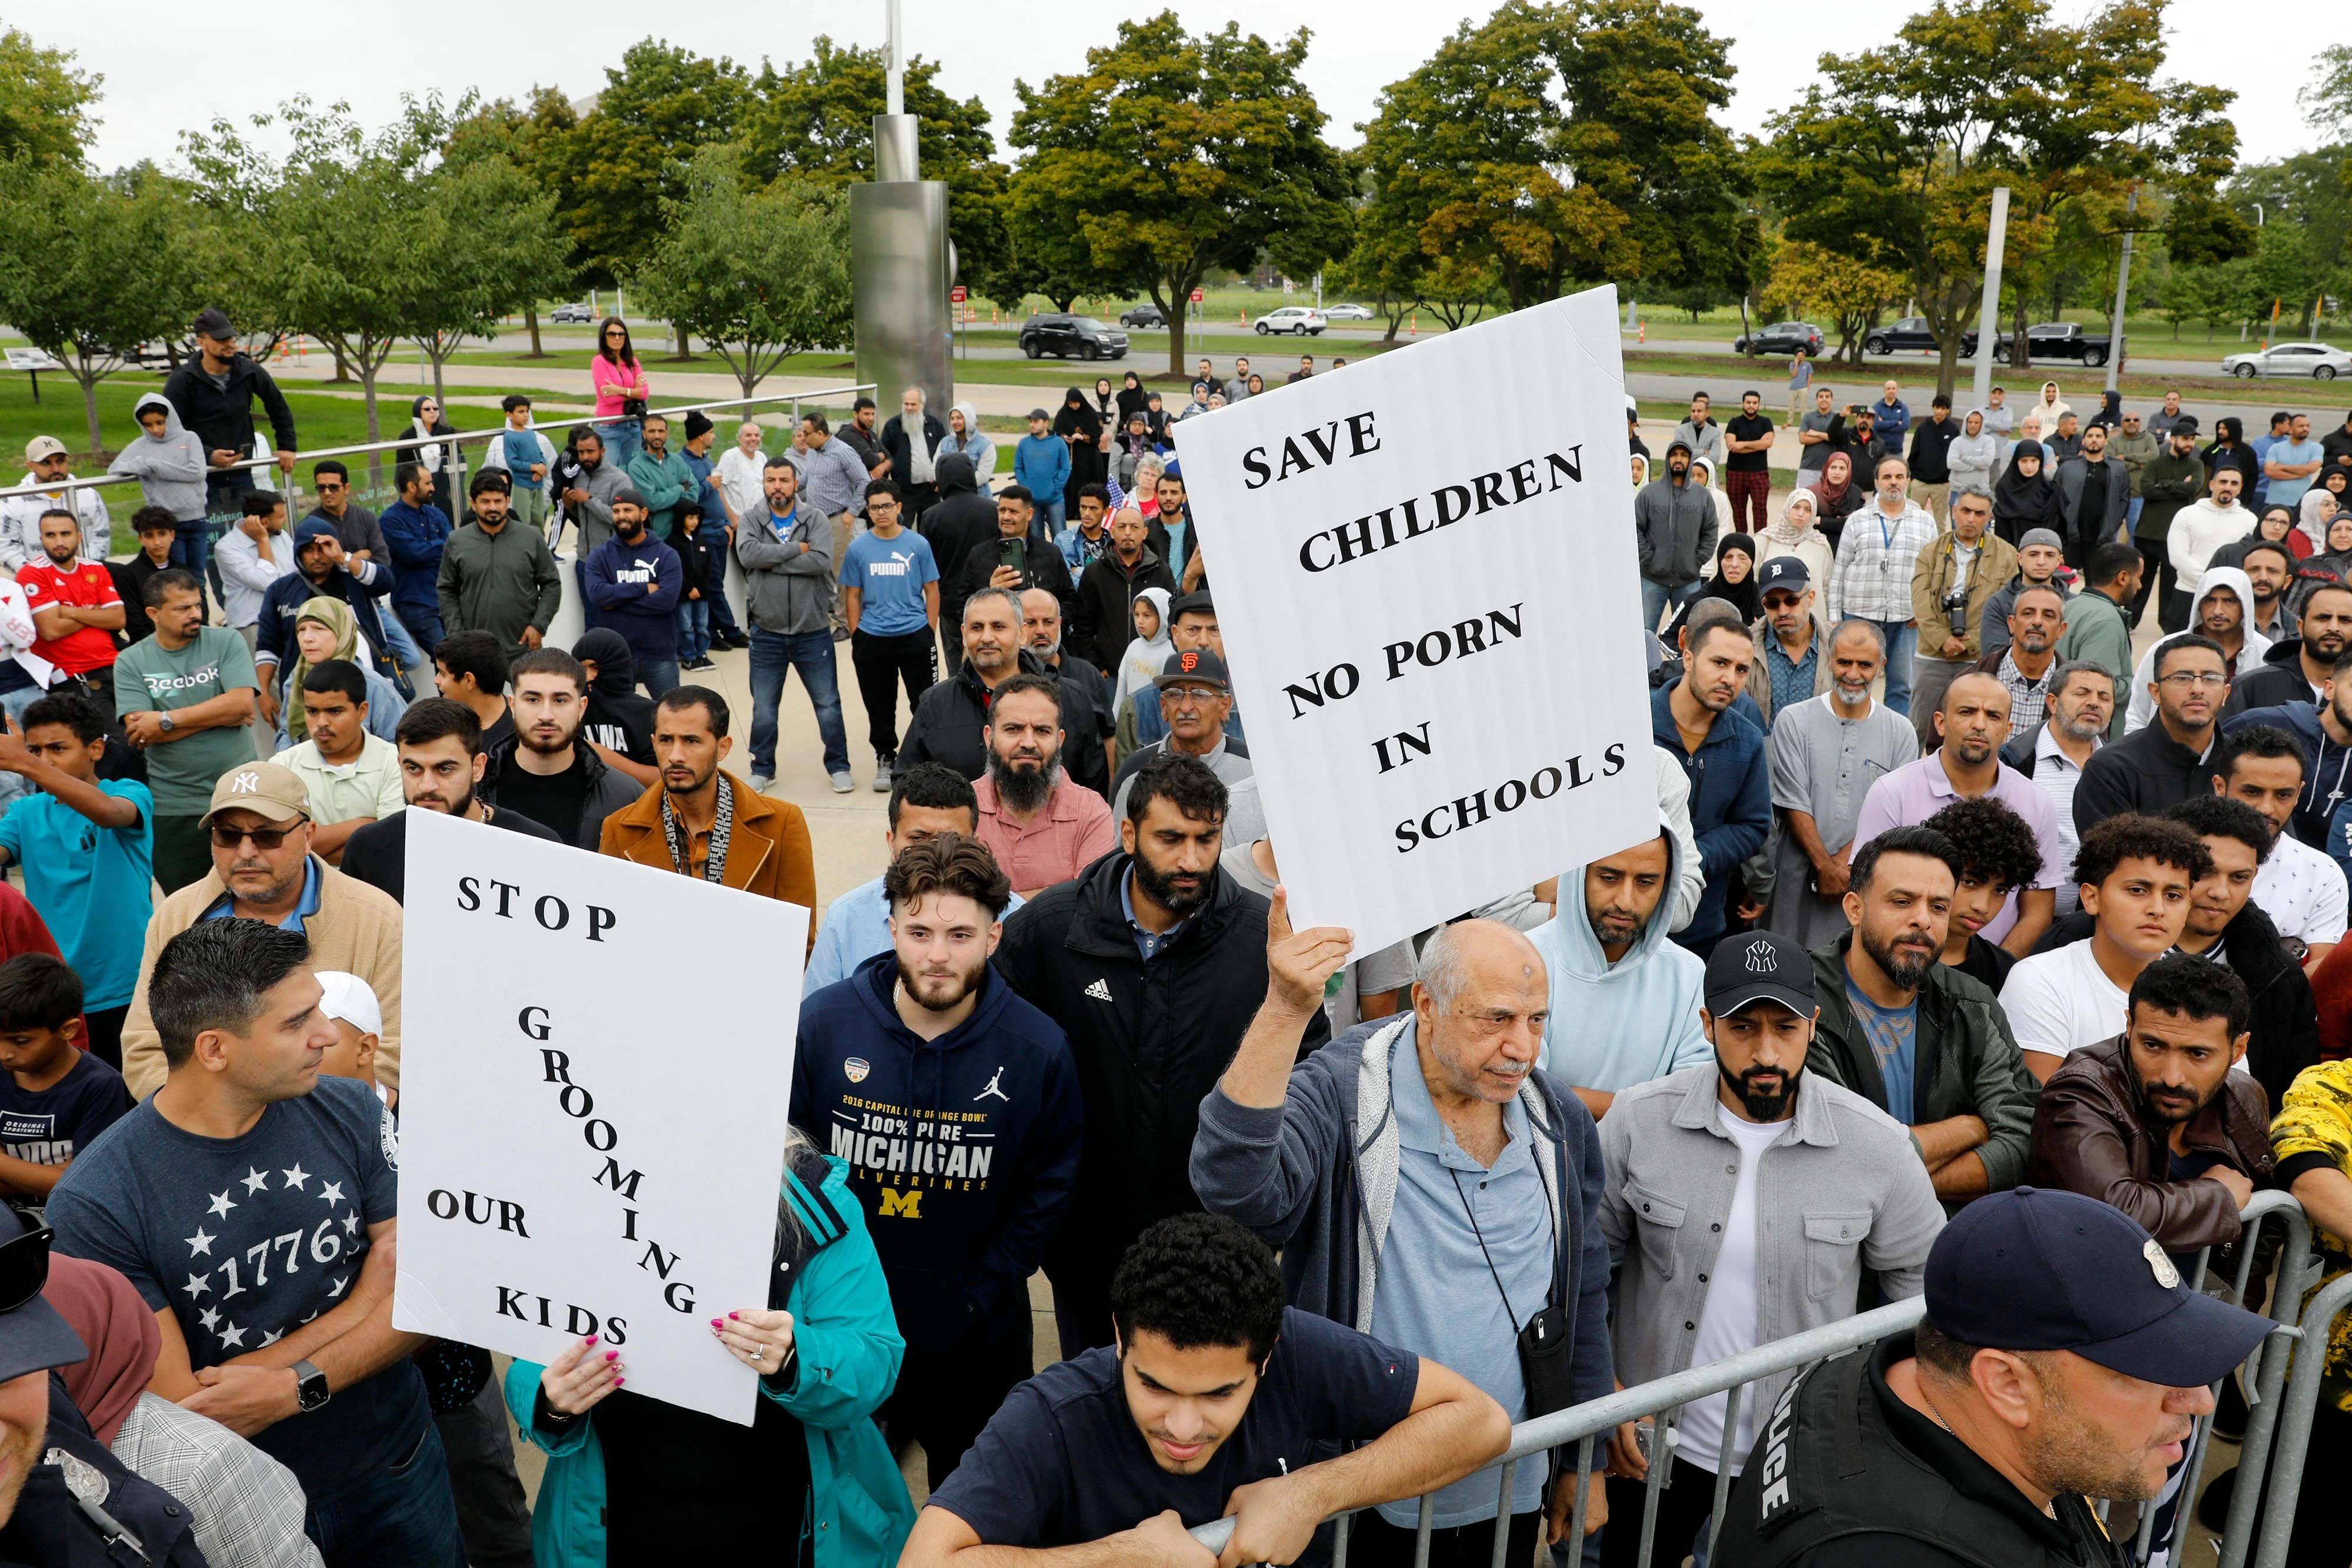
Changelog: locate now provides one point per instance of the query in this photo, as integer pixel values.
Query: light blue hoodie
(1616, 1025)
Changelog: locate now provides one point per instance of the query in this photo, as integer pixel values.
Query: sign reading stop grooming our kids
(581, 1150)
(1425, 577)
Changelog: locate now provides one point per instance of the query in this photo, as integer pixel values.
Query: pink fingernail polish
(612, 1355)
(618, 1381)
(734, 1315)
(714, 1323)
(590, 1339)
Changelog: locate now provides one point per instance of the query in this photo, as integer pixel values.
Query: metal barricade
(1662, 1399)
(2293, 1439)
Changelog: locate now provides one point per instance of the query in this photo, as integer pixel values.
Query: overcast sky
(175, 68)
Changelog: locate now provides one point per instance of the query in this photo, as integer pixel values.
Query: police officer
(2062, 1358)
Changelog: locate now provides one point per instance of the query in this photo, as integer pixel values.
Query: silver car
(2320, 361)
(1345, 313)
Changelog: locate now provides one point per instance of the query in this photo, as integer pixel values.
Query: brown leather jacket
(2090, 1137)
(769, 855)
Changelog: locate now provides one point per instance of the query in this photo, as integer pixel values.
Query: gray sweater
(787, 589)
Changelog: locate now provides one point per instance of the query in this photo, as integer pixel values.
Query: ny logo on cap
(245, 784)
(1761, 959)
(1189, 660)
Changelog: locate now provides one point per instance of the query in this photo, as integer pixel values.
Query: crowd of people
(1971, 958)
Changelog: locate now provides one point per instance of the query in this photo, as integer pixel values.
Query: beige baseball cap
(266, 790)
(42, 446)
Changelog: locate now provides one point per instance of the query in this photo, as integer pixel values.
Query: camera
(1956, 611)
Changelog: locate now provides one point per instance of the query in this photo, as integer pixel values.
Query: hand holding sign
(1301, 964)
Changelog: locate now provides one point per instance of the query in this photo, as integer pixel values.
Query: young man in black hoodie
(957, 1107)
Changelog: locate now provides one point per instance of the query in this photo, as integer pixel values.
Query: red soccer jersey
(88, 586)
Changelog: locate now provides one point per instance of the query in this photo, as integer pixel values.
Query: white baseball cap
(350, 1001)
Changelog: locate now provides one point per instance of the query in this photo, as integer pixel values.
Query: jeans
(192, 547)
(883, 663)
(403, 1518)
(183, 851)
(580, 583)
(1657, 596)
(491, 1514)
(658, 676)
(2131, 513)
(422, 622)
(693, 629)
(810, 652)
(1902, 639)
(624, 439)
(224, 493)
(953, 1389)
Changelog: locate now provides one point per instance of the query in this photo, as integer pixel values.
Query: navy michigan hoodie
(963, 1149)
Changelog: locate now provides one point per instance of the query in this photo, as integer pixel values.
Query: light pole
(2122, 285)
(1989, 312)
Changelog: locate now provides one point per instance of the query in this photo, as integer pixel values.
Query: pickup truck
(1912, 335)
(2057, 340)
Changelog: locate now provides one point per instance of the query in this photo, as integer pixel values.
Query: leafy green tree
(1809, 279)
(532, 137)
(629, 154)
(501, 251)
(90, 268)
(1172, 155)
(239, 249)
(760, 274)
(45, 102)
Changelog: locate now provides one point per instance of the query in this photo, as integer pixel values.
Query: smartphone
(1013, 553)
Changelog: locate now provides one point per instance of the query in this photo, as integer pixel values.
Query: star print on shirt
(197, 1284)
(340, 1280)
(254, 1182)
(232, 1335)
(272, 1337)
(200, 1242)
(351, 1223)
(296, 1175)
(222, 1203)
(209, 1316)
(332, 1192)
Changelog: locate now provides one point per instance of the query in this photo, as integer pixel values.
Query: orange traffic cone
(1414, 331)
(1641, 332)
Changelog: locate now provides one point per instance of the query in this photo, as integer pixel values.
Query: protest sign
(1427, 582)
(589, 1143)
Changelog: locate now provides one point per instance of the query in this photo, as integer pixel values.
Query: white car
(2320, 361)
(1298, 319)
(1345, 313)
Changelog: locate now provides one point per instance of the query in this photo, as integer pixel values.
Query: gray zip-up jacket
(787, 589)
(1317, 1177)
(171, 467)
(594, 519)
(1675, 527)
(1842, 1190)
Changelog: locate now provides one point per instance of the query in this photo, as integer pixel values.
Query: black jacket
(1105, 623)
(2279, 681)
(902, 455)
(1931, 444)
(949, 717)
(2146, 771)
(50, 1529)
(960, 522)
(223, 416)
(609, 791)
(1159, 542)
(1150, 1040)
(1046, 569)
(2286, 1020)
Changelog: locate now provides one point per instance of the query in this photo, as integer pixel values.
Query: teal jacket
(859, 1510)
(662, 481)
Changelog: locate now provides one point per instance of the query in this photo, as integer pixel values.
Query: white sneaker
(843, 783)
(761, 783)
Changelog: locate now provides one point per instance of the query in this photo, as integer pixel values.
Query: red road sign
(958, 294)
(1196, 297)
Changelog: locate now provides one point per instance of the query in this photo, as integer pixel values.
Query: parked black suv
(1784, 338)
(1912, 335)
(1144, 315)
(1062, 336)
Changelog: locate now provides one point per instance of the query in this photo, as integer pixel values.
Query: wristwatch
(311, 1386)
(163, 723)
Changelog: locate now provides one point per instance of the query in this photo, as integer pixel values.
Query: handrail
(456, 438)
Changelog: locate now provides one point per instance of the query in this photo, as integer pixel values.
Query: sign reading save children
(579, 1153)
(1425, 573)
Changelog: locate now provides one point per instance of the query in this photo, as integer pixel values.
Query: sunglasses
(263, 838)
(24, 1267)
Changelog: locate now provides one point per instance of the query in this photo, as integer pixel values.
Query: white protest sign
(591, 1138)
(1426, 580)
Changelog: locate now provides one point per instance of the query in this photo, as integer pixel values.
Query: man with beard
(1675, 529)
(2039, 554)
(1721, 753)
(1043, 828)
(1086, 705)
(961, 1202)
(441, 764)
(1104, 622)
(2298, 669)
(948, 722)
(635, 581)
(1152, 962)
(2135, 873)
(76, 611)
(2300, 888)
(1914, 1036)
(2270, 567)
(704, 822)
(1974, 726)
(1625, 1001)
(1824, 755)
(2163, 763)
(1483, 1175)
(1735, 1147)
(2037, 620)
(2326, 734)
(544, 769)
(2054, 752)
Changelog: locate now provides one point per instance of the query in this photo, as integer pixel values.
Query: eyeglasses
(24, 1267)
(263, 839)
(614, 332)
(1192, 694)
(2181, 680)
(327, 486)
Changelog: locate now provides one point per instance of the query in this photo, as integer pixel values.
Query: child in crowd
(56, 1097)
(350, 1002)
(157, 531)
(1140, 665)
(698, 553)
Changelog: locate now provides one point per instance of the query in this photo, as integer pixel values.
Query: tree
(531, 137)
(760, 274)
(1561, 142)
(501, 251)
(629, 154)
(45, 102)
(90, 268)
(1171, 156)
(1808, 279)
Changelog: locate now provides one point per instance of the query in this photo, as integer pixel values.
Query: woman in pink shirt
(617, 379)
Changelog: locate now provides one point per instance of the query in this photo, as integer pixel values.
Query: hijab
(2327, 496)
(123, 1337)
(1828, 493)
(336, 617)
(2020, 501)
(1790, 529)
(1130, 399)
(616, 667)
(1079, 417)
(1145, 659)
(1741, 595)
(429, 453)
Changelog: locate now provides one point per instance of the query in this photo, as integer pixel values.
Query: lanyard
(1491, 1273)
